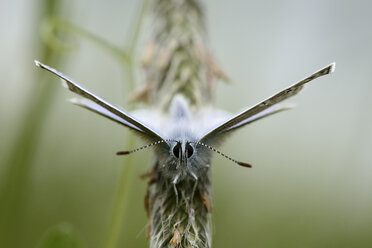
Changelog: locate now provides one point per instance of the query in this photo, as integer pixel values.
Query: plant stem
(126, 175)
(177, 62)
(53, 24)
(122, 195)
(13, 191)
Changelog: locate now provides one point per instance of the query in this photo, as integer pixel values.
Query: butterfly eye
(190, 150)
(177, 150)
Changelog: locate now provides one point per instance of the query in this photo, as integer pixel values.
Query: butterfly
(184, 137)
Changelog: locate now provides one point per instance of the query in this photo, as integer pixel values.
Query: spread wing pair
(256, 112)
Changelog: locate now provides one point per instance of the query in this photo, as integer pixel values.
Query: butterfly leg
(194, 188)
(175, 181)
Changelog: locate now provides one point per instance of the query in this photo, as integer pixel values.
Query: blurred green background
(311, 184)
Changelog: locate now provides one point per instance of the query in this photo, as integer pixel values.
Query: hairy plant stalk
(177, 62)
(179, 216)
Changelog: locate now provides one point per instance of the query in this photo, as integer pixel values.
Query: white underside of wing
(101, 106)
(182, 121)
(209, 118)
(270, 111)
(253, 112)
(94, 107)
(199, 123)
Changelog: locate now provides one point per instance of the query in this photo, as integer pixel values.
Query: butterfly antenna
(224, 155)
(143, 147)
(140, 148)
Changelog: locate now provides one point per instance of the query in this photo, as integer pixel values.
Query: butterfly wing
(264, 108)
(102, 107)
(94, 107)
(267, 112)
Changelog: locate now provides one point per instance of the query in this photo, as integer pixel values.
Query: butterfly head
(183, 159)
(182, 151)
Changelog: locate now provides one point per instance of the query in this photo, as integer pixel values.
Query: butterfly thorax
(183, 158)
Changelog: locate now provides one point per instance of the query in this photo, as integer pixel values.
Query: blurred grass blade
(19, 162)
(61, 236)
(124, 187)
(53, 26)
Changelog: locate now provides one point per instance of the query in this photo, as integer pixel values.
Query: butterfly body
(181, 157)
(184, 137)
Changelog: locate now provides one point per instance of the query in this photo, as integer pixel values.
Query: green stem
(133, 41)
(53, 24)
(123, 191)
(127, 173)
(19, 162)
